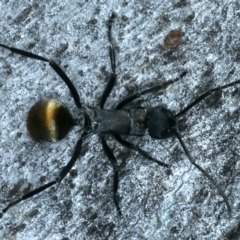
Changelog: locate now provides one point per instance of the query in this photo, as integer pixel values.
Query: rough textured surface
(155, 205)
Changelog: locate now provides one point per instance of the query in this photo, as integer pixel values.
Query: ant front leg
(54, 66)
(130, 98)
(143, 153)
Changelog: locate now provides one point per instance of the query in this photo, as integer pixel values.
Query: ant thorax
(122, 121)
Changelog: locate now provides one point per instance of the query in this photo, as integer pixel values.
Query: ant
(49, 120)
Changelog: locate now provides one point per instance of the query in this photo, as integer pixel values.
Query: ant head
(160, 123)
(49, 120)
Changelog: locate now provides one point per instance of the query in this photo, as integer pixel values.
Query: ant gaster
(49, 120)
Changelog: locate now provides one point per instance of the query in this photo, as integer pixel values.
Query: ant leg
(113, 161)
(29, 195)
(59, 178)
(54, 66)
(138, 149)
(134, 96)
(113, 76)
(225, 199)
(204, 95)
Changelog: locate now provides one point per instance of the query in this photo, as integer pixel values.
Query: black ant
(49, 120)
